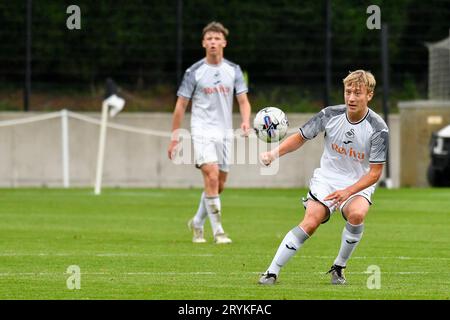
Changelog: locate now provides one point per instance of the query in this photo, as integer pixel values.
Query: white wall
(30, 155)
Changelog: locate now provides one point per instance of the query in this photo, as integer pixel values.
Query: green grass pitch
(134, 244)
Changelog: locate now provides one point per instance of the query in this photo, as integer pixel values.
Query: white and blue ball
(270, 124)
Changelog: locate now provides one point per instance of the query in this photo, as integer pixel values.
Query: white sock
(351, 235)
(200, 216)
(213, 207)
(293, 240)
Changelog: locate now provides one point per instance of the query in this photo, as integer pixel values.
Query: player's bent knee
(212, 176)
(213, 181)
(356, 217)
(356, 210)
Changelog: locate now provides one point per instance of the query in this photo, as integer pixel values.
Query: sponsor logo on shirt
(349, 152)
(218, 89)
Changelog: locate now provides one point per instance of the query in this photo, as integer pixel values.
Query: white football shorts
(212, 149)
(320, 188)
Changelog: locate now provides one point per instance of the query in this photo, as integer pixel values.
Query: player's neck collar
(359, 121)
(214, 64)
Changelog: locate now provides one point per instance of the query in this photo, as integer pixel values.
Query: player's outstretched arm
(178, 115)
(290, 144)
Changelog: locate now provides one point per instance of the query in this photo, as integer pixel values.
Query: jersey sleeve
(379, 146)
(314, 126)
(187, 86)
(239, 83)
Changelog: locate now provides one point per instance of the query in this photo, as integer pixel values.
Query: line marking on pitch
(146, 273)
(125, 254)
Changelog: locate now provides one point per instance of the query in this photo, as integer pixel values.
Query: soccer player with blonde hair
(356, 146)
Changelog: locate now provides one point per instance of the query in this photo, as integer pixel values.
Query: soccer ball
(270, 124)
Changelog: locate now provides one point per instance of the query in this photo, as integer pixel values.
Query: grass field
(134, 244)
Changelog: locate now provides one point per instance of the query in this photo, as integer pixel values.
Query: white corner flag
(114, 104)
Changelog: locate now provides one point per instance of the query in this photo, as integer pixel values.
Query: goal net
(439, 70)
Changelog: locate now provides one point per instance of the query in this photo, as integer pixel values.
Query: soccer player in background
(356, 145)
(211, 84)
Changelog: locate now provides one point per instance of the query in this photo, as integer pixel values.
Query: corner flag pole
(116, 103)
(101, 148)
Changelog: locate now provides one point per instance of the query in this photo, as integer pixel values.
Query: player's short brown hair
(215, 26)
(361, 77)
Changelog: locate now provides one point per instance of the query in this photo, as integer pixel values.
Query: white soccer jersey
(349, 147)
(211, 89)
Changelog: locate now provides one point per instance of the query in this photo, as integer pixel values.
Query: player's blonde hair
(215, 26)
(361, 77)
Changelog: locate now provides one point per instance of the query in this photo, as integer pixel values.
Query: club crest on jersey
(350, 133)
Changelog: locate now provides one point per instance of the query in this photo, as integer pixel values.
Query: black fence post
(27, 89)
(179, 40)
(385, 68)
(328, 36)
